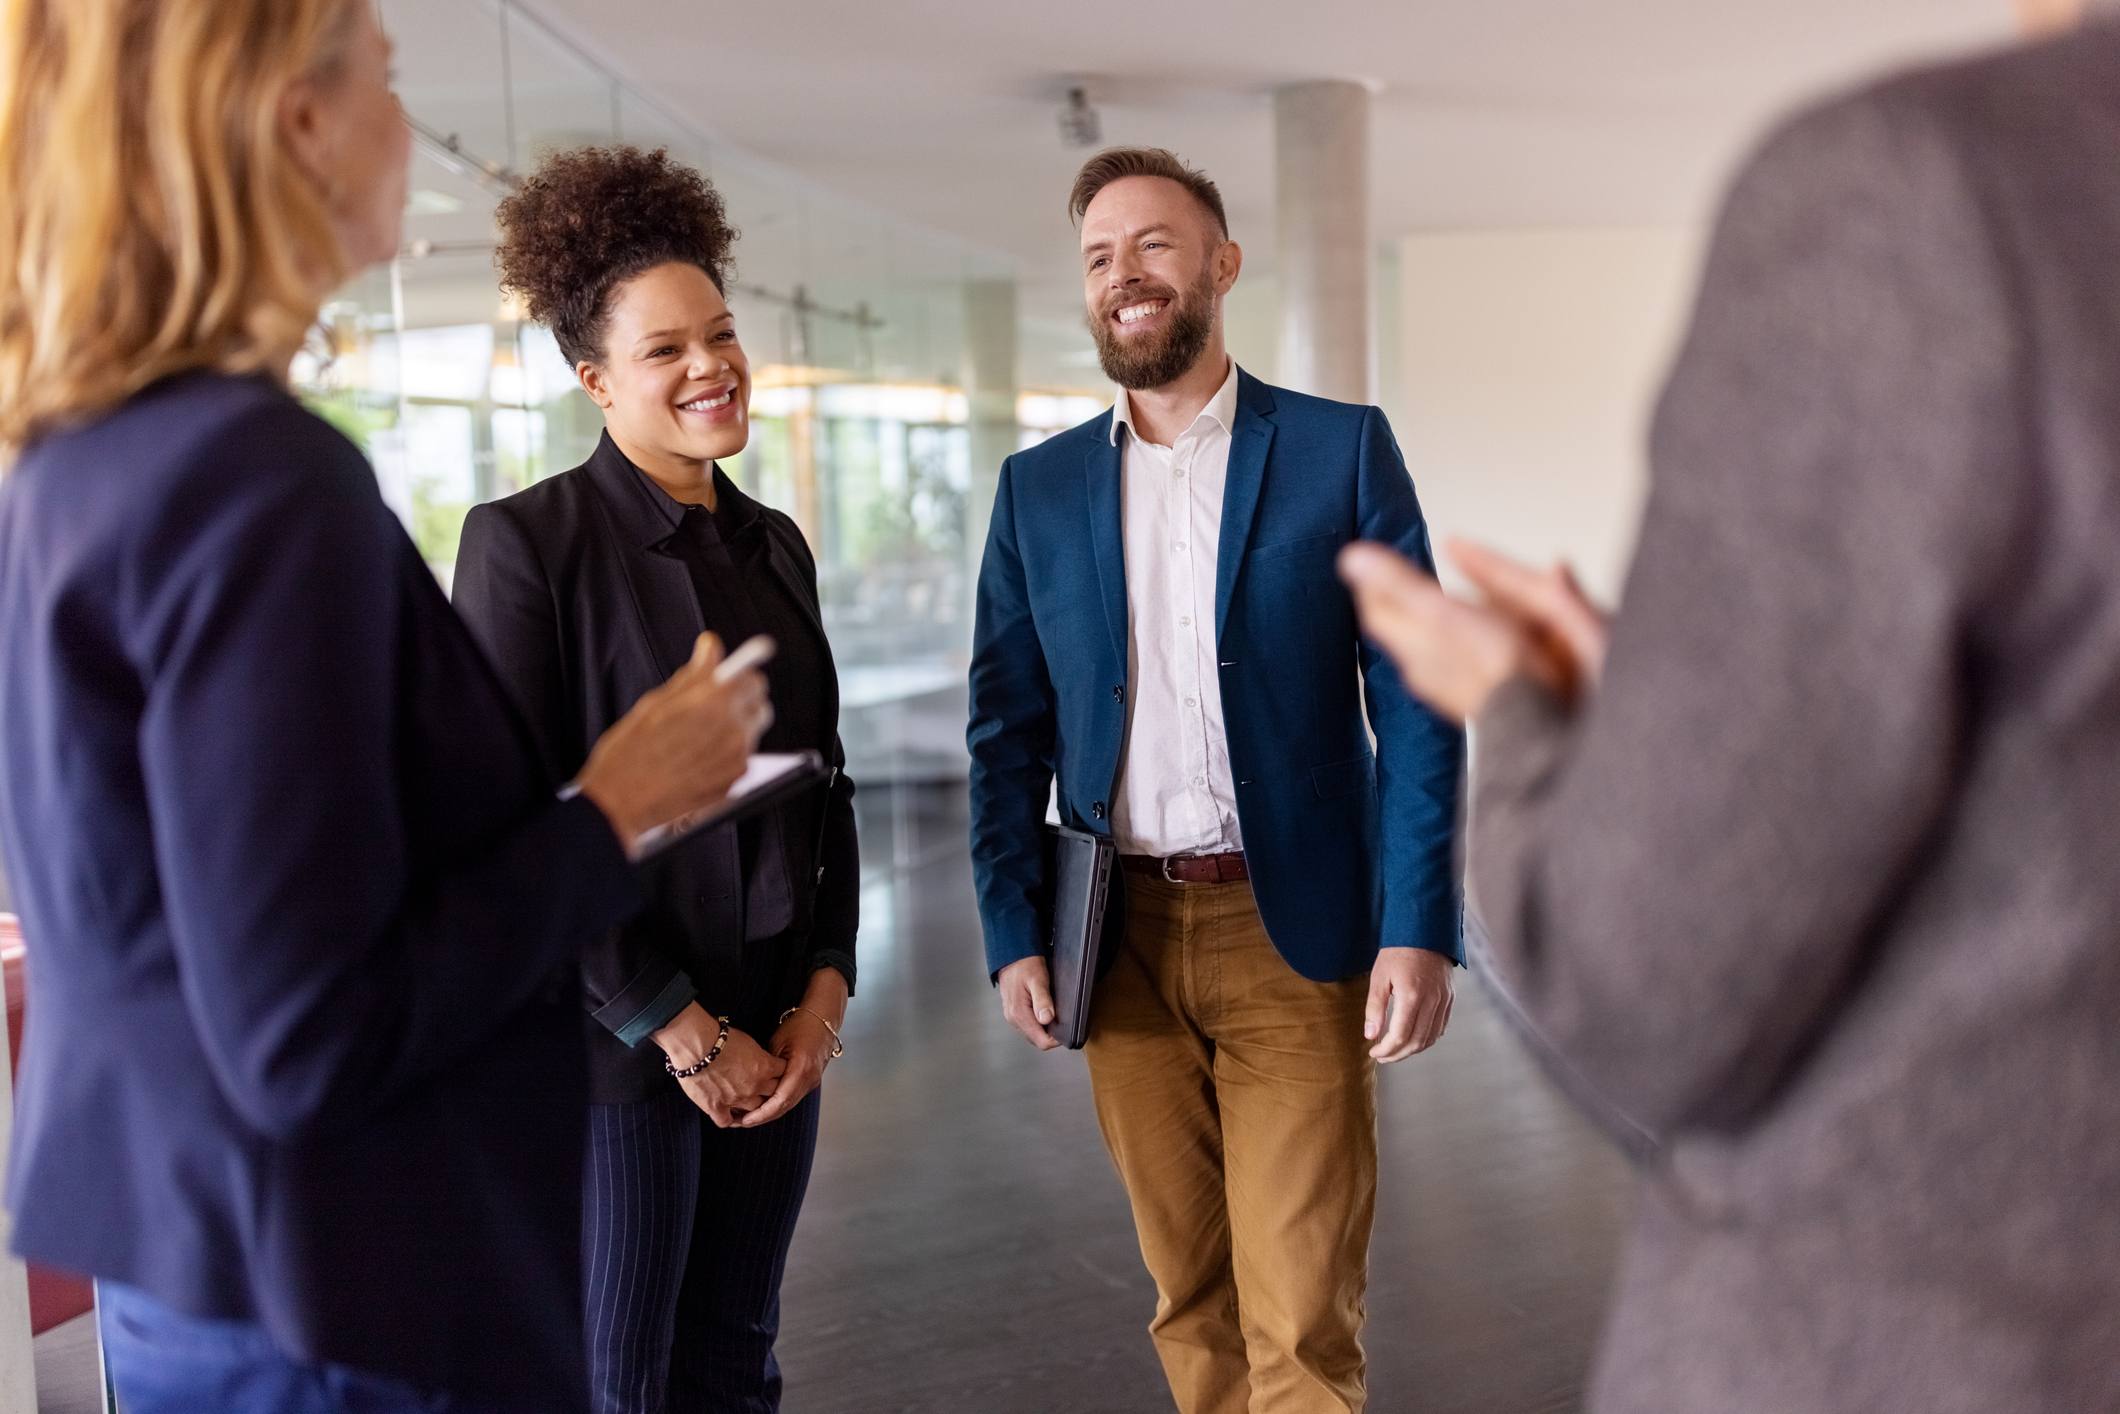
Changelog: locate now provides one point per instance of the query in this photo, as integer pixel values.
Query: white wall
(1523, 374)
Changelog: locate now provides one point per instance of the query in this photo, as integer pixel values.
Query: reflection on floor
(966, 1247)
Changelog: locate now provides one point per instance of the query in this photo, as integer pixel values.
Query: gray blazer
(1820, 895)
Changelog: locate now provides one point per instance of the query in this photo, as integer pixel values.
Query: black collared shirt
(728, 554)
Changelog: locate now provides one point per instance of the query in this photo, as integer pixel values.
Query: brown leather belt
(1190, 868)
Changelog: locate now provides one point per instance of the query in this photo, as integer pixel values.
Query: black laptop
(1078, 880)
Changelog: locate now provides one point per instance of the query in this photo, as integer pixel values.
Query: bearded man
(1161, 630)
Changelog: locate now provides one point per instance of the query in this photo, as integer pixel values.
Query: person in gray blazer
(1812, 886)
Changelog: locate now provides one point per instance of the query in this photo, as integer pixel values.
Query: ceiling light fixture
(1080, 125)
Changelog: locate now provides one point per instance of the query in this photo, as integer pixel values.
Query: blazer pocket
(1345, 778)
(1326, 544)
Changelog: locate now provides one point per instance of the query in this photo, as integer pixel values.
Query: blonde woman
(306, 1087)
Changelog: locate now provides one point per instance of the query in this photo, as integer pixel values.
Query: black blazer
(301, 906)
(582, 613)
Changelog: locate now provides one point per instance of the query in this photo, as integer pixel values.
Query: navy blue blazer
(1349, 849)
(301, 905)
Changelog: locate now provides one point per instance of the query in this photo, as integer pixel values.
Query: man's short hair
(1115, 163)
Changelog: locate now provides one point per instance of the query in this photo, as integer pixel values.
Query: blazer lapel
(798, 587)
(665, 606)
(792, 580)
(1108, 536)
(1250, 441)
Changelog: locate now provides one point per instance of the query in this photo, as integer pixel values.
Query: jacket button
(1097, 810)
(1118, 694)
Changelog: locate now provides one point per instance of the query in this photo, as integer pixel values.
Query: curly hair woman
(713, 1016)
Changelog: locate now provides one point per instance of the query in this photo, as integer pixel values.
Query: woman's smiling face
(674, 383)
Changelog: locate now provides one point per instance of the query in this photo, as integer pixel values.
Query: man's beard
(1154, 359)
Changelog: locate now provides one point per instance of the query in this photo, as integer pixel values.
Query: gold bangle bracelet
(838, 1049)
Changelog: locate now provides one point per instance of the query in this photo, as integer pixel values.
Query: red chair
(54, 1297)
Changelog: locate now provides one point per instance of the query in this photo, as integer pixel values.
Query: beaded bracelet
(697, 1066)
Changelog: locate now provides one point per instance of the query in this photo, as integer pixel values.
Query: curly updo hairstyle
(590, 219)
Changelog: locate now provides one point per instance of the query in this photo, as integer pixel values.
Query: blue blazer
(1349, 849)
(302, 908)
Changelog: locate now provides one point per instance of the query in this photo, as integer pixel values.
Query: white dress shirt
(1176, 792)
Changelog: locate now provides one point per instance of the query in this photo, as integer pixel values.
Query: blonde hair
(152, 220)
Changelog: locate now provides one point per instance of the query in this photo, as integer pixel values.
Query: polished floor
(966, 1248)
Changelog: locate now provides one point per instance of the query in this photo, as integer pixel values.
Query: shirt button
(1185, 622)
(1192, 701)
(1181, 473)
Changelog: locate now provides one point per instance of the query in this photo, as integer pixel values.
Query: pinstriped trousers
(685, 1237)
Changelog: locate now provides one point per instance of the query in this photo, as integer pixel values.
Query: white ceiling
(1490, 113)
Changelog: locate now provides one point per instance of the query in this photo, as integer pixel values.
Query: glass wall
(855, 329)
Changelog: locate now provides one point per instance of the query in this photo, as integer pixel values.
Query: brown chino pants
(1239, 1102)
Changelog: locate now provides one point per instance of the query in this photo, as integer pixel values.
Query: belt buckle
(1164, 867)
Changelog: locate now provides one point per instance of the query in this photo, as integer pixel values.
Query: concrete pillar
(808, 509)
(1321, 196)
